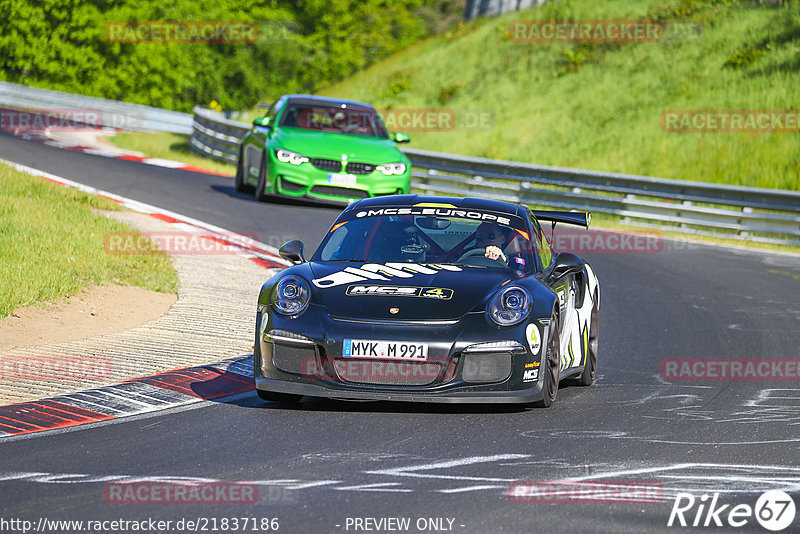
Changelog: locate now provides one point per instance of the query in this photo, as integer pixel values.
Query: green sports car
(322, 148)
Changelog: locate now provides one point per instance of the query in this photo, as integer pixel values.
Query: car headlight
(510, 306)
(287, 156)
(291, 296)
(392, 168)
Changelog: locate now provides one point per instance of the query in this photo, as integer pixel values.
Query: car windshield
(343, 119)
(428, 238)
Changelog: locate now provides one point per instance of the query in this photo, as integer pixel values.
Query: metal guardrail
(215, 136)
(757, 214)
(492, 8)
(113, 114)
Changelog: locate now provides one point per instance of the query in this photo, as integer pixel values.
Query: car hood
(333, 145)
(362, 290)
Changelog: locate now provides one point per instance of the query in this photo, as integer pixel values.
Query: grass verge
(170, 146)
(599, 106)
(52, 245)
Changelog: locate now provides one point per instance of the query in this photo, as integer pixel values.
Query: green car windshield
(350, 120)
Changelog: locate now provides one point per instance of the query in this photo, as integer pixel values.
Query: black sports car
(433, 299)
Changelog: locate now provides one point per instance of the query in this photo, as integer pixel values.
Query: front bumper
(455, 396)
(460, 367)
(307, 181)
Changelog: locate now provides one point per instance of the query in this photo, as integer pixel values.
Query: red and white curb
(153, 393)
(255, 251)
(46, 137)
(132, 397)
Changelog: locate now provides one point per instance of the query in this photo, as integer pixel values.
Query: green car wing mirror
(262, 121)
(400, 137)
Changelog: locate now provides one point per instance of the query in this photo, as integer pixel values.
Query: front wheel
(551, 366)
(261, 187)
(241, 184)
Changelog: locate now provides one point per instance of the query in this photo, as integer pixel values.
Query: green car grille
(340, 191)
(360, 168)
(327, 164)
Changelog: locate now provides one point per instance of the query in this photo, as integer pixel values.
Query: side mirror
(566, 263)
(292, 251)
(262, 121)
(400, 137)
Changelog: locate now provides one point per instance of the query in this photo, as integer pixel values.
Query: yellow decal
(433, 205)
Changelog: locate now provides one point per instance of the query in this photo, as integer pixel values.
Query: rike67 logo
(774, 510)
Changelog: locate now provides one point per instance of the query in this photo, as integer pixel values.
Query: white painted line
(315, 484)
(412, 471)
(164, 163)
(472, 488)
(380, 486)
(105, 152)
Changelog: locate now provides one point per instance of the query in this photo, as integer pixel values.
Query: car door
(259, 138)
(566, 291)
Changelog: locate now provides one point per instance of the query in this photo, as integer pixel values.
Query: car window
(457, 231)
(350, 120)
(540, 242)
(426, 239)
(275, 109)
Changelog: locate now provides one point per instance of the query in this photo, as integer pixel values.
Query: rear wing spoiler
(578, 218)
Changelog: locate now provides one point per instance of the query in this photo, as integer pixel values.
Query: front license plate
(391, 350)
(344, 180)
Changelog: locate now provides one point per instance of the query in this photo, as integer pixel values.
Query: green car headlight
(287, 156)
(392, 168)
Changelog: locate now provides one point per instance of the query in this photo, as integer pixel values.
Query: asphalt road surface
(333, 466)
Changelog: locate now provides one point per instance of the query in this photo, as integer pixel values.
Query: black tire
(261, 187)
(551, 366)
(282, 398)
(241, 185)
(590, 368)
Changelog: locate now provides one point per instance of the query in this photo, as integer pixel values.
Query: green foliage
(448, 92)
(301, 46)
(399, 82)
(576, 56)
(746, 56)
(599, 105)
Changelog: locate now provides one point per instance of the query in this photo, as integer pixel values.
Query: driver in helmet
(489, 236)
